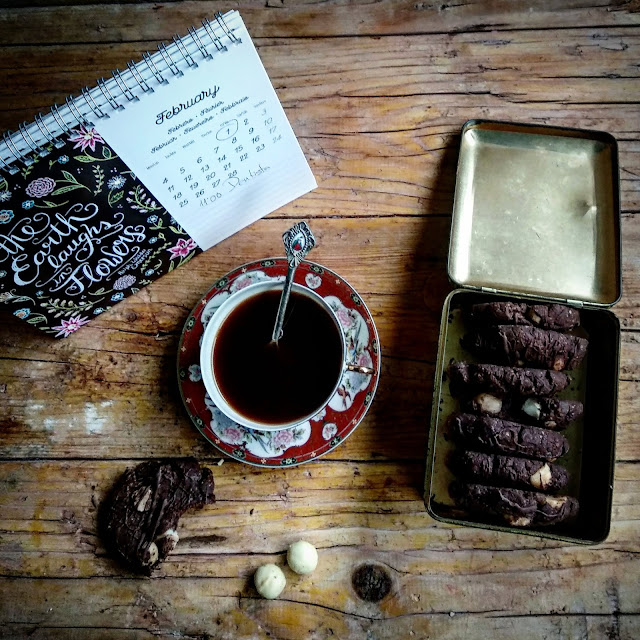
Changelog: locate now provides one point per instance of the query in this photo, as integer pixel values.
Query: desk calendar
(136, 176)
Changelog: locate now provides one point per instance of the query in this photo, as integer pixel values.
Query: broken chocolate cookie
(485, 433)
(517, 507)
(470, 378)
(511, 471)
(140, 518)
(545, 316)
(527, 346)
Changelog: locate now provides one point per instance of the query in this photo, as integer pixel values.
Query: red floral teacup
(267, 386)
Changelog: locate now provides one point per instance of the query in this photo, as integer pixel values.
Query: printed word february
(183, 106)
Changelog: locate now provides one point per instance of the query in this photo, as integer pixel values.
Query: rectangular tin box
(537, 218)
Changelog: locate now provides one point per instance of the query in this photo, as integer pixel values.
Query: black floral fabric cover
(78, 233)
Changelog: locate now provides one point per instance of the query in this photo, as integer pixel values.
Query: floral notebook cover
(78, 233)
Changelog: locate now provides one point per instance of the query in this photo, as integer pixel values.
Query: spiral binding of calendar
(31, 139)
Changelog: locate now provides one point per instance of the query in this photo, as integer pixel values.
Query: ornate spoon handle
(298, 241)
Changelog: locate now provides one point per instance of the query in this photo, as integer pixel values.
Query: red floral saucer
(334, 422)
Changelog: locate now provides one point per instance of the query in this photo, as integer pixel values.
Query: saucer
(334, 422)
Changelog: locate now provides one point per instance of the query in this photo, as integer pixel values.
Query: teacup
(268, 386)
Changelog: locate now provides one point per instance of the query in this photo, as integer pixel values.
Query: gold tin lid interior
(537, 212)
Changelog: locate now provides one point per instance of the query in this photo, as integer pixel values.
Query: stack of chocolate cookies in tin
(507, 434)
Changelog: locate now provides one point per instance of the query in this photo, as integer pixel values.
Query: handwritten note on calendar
(213, 144)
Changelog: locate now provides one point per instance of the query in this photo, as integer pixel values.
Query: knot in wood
(371, 582)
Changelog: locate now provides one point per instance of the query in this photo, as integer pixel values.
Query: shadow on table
(401, 410)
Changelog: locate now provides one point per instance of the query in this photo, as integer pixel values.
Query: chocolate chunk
(468, 377)
(507, 344)
(139, 520)
(510, 471)
(519, 508)
(545, 316)
(485, 433)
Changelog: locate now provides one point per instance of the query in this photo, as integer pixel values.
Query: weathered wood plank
(386, 129)
(118, 21)
(321, 624)
(383, 66)
(194, 606)
(62, 410)
(122, 405)
(48, 523)
(397, 264)
(65, 411)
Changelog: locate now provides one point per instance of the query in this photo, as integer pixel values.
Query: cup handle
(358, 369)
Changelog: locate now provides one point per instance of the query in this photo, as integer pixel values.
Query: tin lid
(537, 212)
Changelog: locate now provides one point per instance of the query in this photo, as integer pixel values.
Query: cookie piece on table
(484, 433)
(139, 520)
(527, 346)
(517, 507)
(493, 469)
(469, 378)
(545, 316)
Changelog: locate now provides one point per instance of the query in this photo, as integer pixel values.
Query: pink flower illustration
(364, 360)
(40, 187)
(242, 282)
(67, 327)
(182, 248)
(232, 435)
(85, 137)
(282, 439)
(313, 281)
(329, 430)
(345, 319)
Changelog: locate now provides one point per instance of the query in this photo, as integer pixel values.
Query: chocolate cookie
(468, 377)
(545, 316)
(139, 520)
(519, 508)
(551, 413)
(527, 346)
(489, 468)
(484, 433)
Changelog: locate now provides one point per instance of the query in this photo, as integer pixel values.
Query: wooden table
(377, 94)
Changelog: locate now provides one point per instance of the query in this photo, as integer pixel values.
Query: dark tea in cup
(279, 383)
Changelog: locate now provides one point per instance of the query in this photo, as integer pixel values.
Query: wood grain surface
(377, 93)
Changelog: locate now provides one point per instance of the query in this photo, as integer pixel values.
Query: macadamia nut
(488, 403)
(302, 557)
(532, 408)
(269, 581)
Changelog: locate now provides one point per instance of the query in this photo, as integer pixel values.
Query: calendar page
(213, 144)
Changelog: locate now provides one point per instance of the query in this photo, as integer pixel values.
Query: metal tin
(537, 212)
(537, 218)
